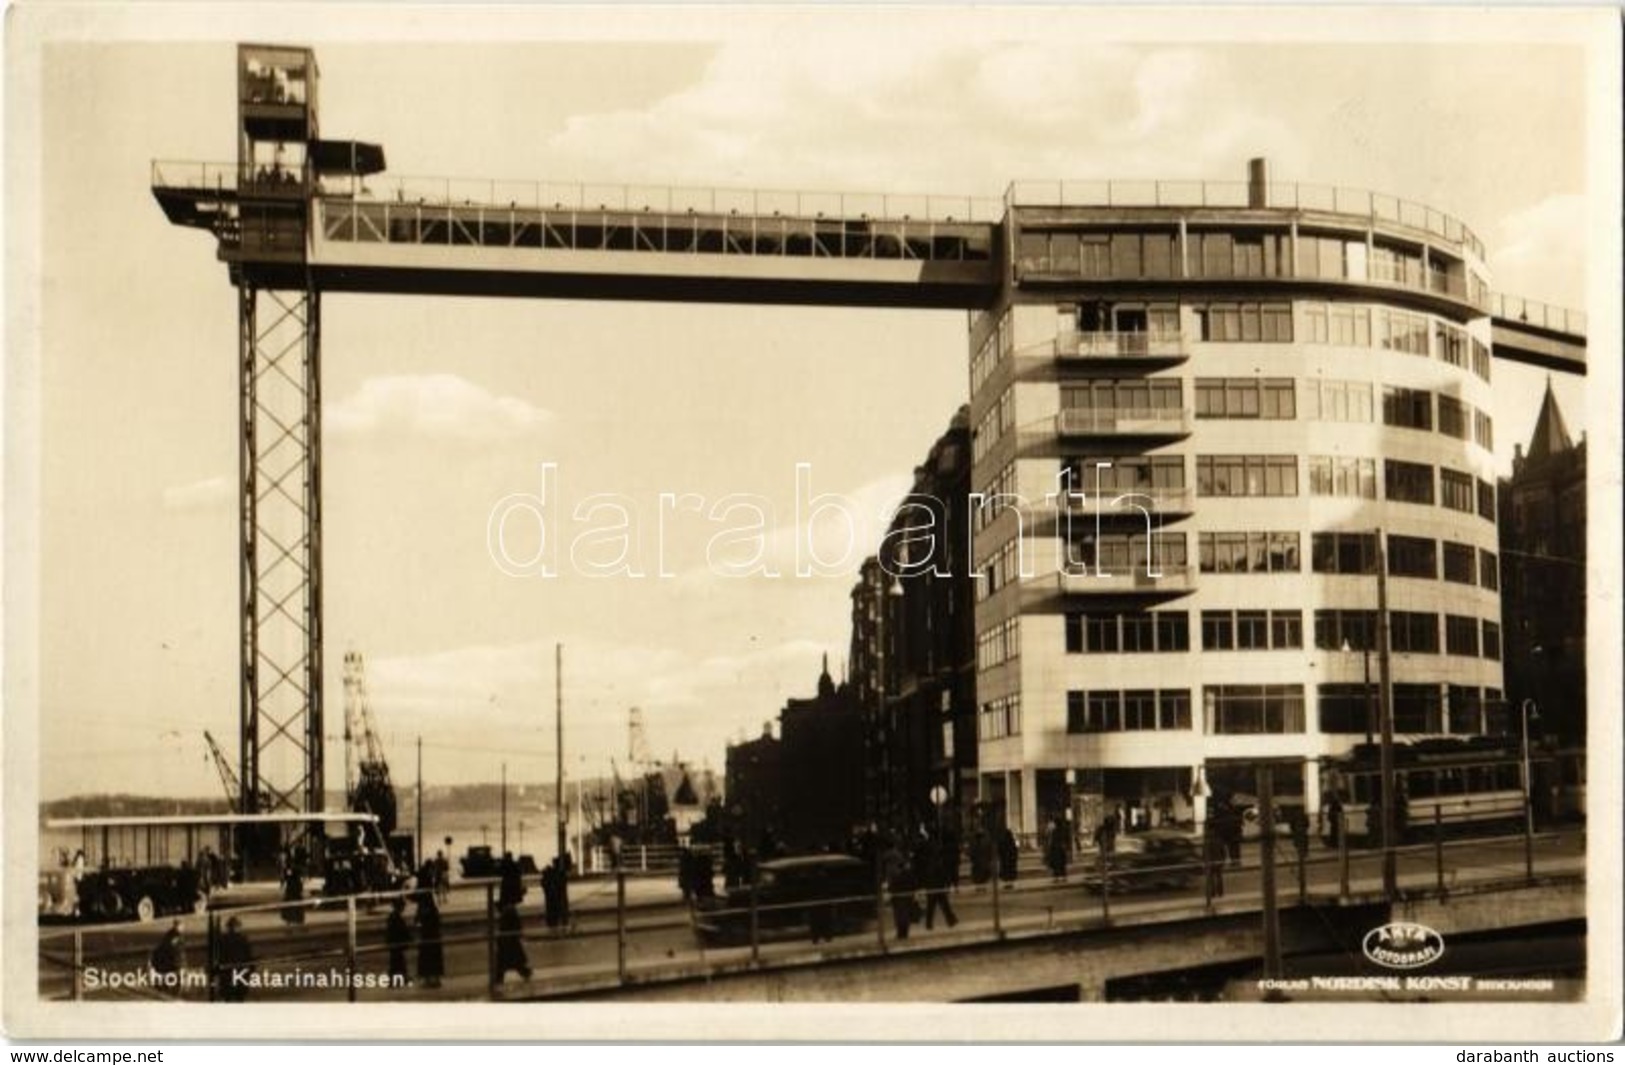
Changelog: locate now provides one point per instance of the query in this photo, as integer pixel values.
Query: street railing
(627, 929)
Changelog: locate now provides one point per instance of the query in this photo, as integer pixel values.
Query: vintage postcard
(809, 523)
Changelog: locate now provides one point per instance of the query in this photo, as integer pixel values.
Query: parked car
(143, 893)
(792, 894)
(1147, 861)
(481, 861)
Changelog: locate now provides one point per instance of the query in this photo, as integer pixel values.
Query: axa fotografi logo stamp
(1403, 945)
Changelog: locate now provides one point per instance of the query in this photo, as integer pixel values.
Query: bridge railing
(624, 929)
(1537, 314)
(1331, 199)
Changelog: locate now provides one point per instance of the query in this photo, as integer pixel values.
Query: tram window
(1420, 784)
(1506, 778)
(1450, 782)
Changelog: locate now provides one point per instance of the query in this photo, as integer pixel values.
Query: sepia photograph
(812, 523)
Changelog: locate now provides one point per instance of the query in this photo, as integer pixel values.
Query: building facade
(1196, 431)
(1543, 538)
(913, 647)
(821, 775)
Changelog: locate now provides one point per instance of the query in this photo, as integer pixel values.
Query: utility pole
(1390, 872)
(504, 807)
(417, 845)
(558, 723)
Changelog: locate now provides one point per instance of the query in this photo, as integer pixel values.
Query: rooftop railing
(1537, 314)
(665, 199)
(1236, 194)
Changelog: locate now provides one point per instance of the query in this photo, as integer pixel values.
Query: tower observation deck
(298, 215)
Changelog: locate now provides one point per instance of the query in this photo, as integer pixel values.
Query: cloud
(1540, 252)
(930, 115)
(207, 494)
(441, 407)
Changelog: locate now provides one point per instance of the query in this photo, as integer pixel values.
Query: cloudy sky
(437, 409)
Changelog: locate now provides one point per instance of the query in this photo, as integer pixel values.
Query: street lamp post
(1390, 870)
(1527, 710)
(894, 590)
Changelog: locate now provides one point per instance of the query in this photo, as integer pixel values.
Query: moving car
(1147, 861)
(834, 892)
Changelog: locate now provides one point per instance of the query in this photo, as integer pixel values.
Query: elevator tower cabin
(297, 216)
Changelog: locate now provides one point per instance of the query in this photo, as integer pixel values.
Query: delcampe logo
(1403, 945)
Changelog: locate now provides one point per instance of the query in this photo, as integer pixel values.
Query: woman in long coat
(431, 952)
(398, 937)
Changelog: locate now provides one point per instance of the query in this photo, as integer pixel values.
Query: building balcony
(1073, 346)
(1133, 580)
(1124, 421)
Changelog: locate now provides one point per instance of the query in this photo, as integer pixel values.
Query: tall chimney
(1258, 182)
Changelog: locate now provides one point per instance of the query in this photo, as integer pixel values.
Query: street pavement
(659, 937)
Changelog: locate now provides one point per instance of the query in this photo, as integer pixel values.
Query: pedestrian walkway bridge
(444, 236)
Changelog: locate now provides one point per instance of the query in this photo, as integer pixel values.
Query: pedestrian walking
(1214, 853)
(510, 944)
(431, 951)
(293, 890)
(981, 858)
(442, 877)
(904, 906)
(398, 938)
(511, 891)
(938, 879)
(1008, 856)
(1332, 822)
(234, 962)
(1055, 850)
(169, 956)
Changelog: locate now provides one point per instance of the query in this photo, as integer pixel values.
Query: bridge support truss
(280, 524)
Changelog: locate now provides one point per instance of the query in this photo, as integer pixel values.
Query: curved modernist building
(1203, 418)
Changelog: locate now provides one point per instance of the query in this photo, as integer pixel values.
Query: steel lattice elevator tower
(279, 447)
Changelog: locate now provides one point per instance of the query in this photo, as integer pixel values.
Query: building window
(1337, 476)
(1127, 711)
(1123, 474)
(1245, 322)
(1252, 709)
(1456, 491)
(1248, 552)
(1460, 636)
(1123, 394)
(1407, 408)
(1450, 344)
(1268, 398)
(1413, 633)
(1486, 500)
(1286, 629)
(1489, 570)
(1129, 633)
(1343, 552)
(1351, 326)
(1481, 359)
(1492, 640)
(1407, 482)
(1125, 553)
(1173, 630)
(1139, 710)
(1459, 563)
(1337, 401)
(1418, 708)
(1252, 630)
(1412, 556)
(1402, 331)
(1466, 715)
(1483, 430)
(1218, 630)
(1453, 418)
(1356, 628)
(1347, 709)
(1000, 718)
(1246, 475)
